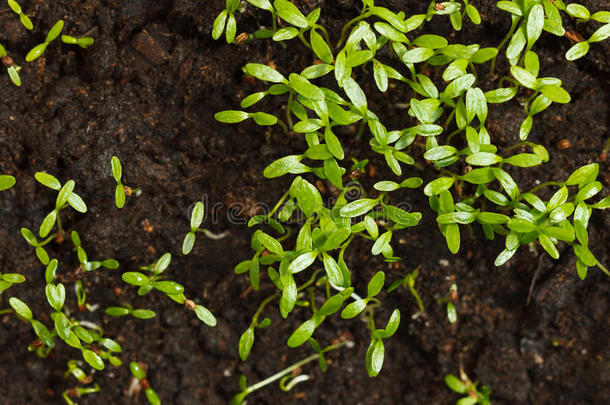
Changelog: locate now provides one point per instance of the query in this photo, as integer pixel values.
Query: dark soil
(147, 91)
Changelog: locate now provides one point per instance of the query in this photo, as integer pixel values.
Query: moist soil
(147, 91)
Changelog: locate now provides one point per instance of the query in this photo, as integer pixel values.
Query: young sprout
(127, 309)
(453, 295)
(155, 280)
(6, 181)
(25, 20)
(466, 387)
(285, 373)
(79, 392)
(141, 382)
(83, 42)
(8, 279)
(65, 197)
(121, 190)
(85, 264)
(196, 220)
(13, 73)
(409, 281)
(39, 49)
(226, 17)
(41, 253)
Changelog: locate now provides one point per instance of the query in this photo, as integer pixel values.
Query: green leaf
(381, 243)
(117, 311)
(77, 203)
(430, 41)
(437, 186)
(332, 270)
(524, 160)
(231, 116)
(376, 284)
(556, 94)
(219, 24)
(119, 196)
(459, 85)
(458, 217)
(454, 383)
(578, 11)
(168, 287)
(305, 88)
(381, 76)
(13, 278)
(6, 182)
(353, 309)
(56, 296)
(302, 261)
(481, 175)
(358, 207)
(483, 159)
(54, 31)
(152, 397)
(93, 359)
(62, 326)
(64, 194)
(392, 325)
(20, 308)
(142, 313)
(452, 236)
(36, 52)
(231, 29)
(188, 243)
(290, 13)
(440, 152)
(374, 358)
(583, 175)
(355, 94)
(135, 278)
(500, 95)
(288, 164)
(577, 51)
(302, 334)
(264, 119)
(526, 127)
(550, 248)
(386, 186)
(412, 182)
(47, 224)
(245, 343)
(524, 77)
(205, 316)
(270, 243)
(585, 255)
(535, 22)
(285, 34)
(600, 34)
(504, 256)
(320, 47)
(137, 371)
(47, 180)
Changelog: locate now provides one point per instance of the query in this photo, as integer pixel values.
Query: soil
(147, 91)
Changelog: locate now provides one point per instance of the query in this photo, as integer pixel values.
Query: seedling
(409, 281)
(83, 42)
(85, 264)
(31, 239)
(449, 302)
(120, 190)
(8, 279)
(6, 181)
(39, 49)
(13, 73)
(196, 220)
(127, 309)
(77, 392)
(65, 197)
(464, 386)
(285, 373)
(155, 280)
(141, 382)
(25, 20)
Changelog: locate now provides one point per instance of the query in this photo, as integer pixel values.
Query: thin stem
(454, 133)
(303, 40)
(602, 267)
(279, 203)
(513, 27)
(262, 306)
(288, 115)
(448, 120)
(295, 366)
(350, 23)
(325, 33)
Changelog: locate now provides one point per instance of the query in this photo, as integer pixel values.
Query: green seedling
(449, 302)
(85, 264)
(83, 42)
(121, 191)
(74, 370)
(65, 197)
(8, 279)
(31, 239)
(137, 371)
(13, 73)
(39, 49)
(155, 280)
(464, 386)
(196, 220)
(409, 281)
(6, 181)
(286, 373)
(127, 309)
(448, 115)
(25, 20)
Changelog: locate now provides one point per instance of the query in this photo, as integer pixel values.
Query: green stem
(279, 203)
(288, 115)
(513, 27)
(602, 267)
(448, 120)
(350, 23)
(295, 366)
(303, 40)
(262, 306)
(454, 133)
